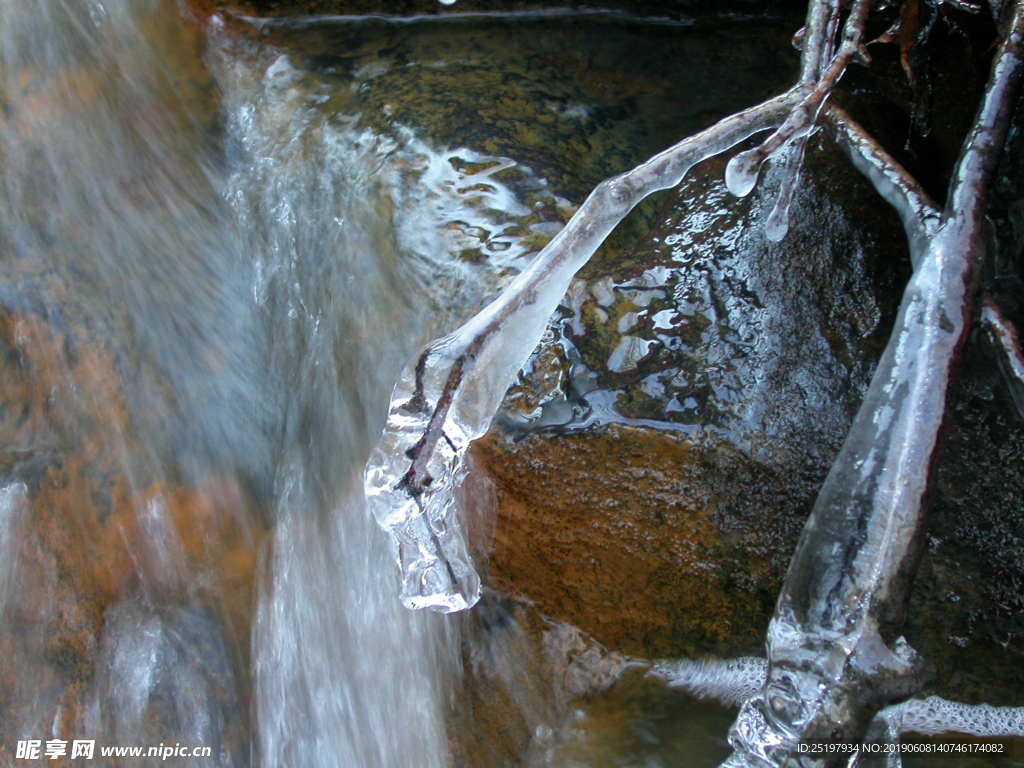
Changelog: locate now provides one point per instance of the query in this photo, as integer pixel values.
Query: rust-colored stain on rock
(632, 536)
(92, 532)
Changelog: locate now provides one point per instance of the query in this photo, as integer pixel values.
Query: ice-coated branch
(449, 394)
(921, 218)
(917, 211)
(732, 682)
(1011, 359)
(831, 668)
(816, 42)
(816, 37)
(742, 171)
(777, 224)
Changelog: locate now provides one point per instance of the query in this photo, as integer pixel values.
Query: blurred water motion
(204, 300)
(216, 258)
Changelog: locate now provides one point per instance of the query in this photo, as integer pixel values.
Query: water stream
(217, 297)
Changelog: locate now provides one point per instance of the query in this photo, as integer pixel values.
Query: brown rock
(88, 540)
(640, 539)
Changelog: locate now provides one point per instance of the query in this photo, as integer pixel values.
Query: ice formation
(736, 682)
(449, 394)
(777, 225)
(444, 400)
(732, 681)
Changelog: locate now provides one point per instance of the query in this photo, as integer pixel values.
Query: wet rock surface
(673, 9)
(520, 672)
(617, 533)
(966, 612)
(575, 99)
(538, 692)
(719, 375)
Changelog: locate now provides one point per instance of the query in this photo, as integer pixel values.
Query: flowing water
(217, 298)
(221, 241)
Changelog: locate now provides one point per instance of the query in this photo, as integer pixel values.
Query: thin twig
(741, 173)
(1011, 359)
(818, 32)
(461, 352)
(777, 224)
(831, 668)
(918, 212)
(921, 217)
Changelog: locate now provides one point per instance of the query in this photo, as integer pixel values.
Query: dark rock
(673, 9)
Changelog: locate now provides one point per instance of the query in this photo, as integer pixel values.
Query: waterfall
(208, 285)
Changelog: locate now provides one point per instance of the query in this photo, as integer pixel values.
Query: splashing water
(215, 266)
(344, 673)
(207, 297)
(12, 508)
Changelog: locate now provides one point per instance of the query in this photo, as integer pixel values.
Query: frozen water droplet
(777, 226)
(741, 172)
(792, 157)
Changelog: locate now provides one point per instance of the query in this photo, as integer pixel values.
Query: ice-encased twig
(817, 36)
(777, 224)
(742, 171)
(449, 394)
(733, 681)
(921, 217)
(1011, 360)
(830, 667)
(917, 211)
